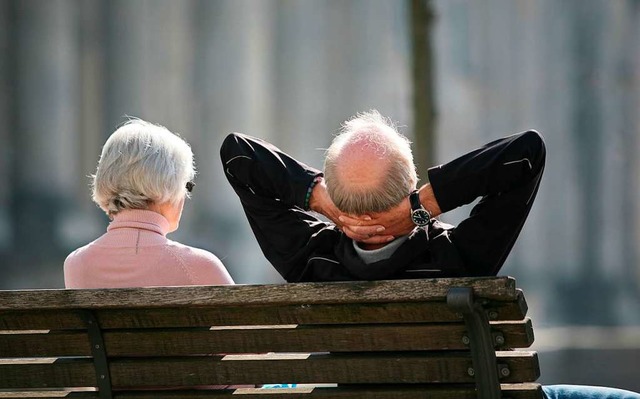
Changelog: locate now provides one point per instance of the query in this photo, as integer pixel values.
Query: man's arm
(274, 190)
(506, 174)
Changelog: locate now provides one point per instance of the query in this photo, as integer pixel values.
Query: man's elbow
(534, 142)
(229, 147)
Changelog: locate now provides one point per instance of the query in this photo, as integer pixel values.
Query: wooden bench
(441, 338)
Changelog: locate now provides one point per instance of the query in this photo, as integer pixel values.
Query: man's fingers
(367, 235)
(354, 220)
(348, 220)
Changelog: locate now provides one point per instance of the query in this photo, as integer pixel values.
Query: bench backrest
(383, 339)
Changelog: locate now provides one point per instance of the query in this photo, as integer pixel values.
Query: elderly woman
(144, 174)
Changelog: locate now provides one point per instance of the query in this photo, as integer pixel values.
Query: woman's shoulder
(194, 257)
(79, 253)
(192, 253)
(74, 266)
(204, 264)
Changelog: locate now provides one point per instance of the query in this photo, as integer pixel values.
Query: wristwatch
(419, 216)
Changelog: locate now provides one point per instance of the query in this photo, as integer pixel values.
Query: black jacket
(272, 187)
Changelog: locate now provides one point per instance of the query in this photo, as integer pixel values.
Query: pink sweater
(135, 252)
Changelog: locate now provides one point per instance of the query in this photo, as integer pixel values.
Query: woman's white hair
(371, 129)
(142, 163)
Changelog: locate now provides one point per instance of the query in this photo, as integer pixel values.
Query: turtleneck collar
(375, 255)
(140, 219)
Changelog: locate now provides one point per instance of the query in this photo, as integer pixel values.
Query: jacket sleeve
(505, 174)
(272, 187)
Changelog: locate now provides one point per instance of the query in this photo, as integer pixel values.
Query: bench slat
(248, 339)
(330, 368)
(413, 368)
(513, 391)
(305, 339)
(41, 320)
(40, 394)
(440, 391)
(431, 312)
(495, 288)
(412, 312)
(53, 373)
(44, 344)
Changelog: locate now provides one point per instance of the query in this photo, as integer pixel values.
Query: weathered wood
(40, 320)
(44, 344)
(412, 312)
(45, 373)
(304, 339)
(399, 336)
(524, 308)
(515, 338)
(523, 365)
(40, 394)
(440, 391)
(248, 339)
(413, 368)
(290, 314)
(494, 288)
(297, 314)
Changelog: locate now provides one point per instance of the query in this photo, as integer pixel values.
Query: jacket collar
(411, 249)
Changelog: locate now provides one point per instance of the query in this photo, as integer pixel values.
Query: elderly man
(381, 226)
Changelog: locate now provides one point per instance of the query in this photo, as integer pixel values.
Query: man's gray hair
(374, 130)
(142, 163)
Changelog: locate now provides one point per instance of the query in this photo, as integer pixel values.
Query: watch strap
(414, 200)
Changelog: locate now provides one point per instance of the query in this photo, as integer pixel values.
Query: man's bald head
(369, 166)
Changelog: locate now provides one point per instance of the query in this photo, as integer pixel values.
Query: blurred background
(452, 73)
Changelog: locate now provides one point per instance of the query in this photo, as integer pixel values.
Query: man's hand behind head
(358, 230)
(396, 221)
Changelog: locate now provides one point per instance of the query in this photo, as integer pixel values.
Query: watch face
(420, 217)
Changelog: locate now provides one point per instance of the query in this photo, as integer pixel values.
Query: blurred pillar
(629, 69)
(305, 70)
(150, 62)
(339, 60)
(591, 285)
(81, 219)
(47, 106)
(233, 78)
(92, 73)
(233, 86)
(424, 113)
(6, 121)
